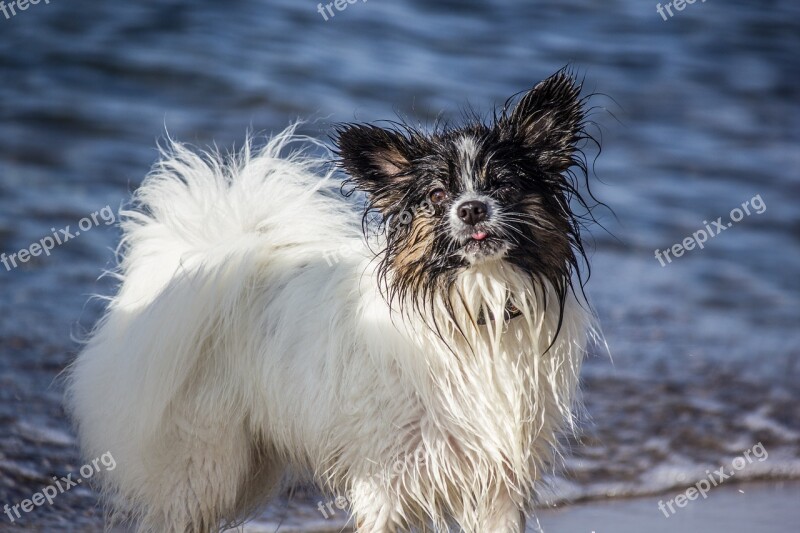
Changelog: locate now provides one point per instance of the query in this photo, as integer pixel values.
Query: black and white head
(458, 198)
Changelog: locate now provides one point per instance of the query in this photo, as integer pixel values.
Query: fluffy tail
(151, 383)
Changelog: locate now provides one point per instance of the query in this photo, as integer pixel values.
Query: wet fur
(523, 157)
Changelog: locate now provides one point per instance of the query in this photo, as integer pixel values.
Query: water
(701, 115)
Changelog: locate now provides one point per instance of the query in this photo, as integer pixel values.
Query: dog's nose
(472, 212)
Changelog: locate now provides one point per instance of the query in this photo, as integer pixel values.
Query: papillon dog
(424, 377)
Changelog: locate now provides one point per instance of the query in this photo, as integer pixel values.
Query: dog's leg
(374, 511)
(506, 518)
(197, 474)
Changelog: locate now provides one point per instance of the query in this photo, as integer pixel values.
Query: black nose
(472, 212)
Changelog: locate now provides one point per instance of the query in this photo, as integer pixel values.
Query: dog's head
(456, 199)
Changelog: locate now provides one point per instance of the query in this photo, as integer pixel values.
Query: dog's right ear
(375, 158)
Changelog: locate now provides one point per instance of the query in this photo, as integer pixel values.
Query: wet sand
(772, 507)
(755, 507)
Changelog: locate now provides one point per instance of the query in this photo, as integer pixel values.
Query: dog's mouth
(483, 245)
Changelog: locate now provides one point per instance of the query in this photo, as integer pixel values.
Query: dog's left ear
(375, 158)
(548, 121)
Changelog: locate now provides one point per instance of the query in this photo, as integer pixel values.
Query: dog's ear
(548, 121)
(373, 157)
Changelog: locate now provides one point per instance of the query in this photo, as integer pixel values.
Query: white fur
(236, 351)
(468, 151)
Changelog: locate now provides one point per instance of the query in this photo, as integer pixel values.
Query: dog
(420, 359)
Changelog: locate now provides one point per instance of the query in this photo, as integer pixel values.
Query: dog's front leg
(506, 518)
(374, 510)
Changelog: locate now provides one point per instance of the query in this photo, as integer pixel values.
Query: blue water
(698, 114)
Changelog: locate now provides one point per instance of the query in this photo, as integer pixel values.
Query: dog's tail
(198, 243)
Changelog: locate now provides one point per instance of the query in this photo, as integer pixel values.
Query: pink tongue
(479, 236)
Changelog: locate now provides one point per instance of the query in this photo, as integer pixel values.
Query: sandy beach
(758, 507)
(761, 507)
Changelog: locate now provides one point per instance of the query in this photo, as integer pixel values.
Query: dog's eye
(438, 196)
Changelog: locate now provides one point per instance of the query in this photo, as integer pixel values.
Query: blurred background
(698, 114)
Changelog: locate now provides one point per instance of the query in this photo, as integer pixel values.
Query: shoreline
(763, 506)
